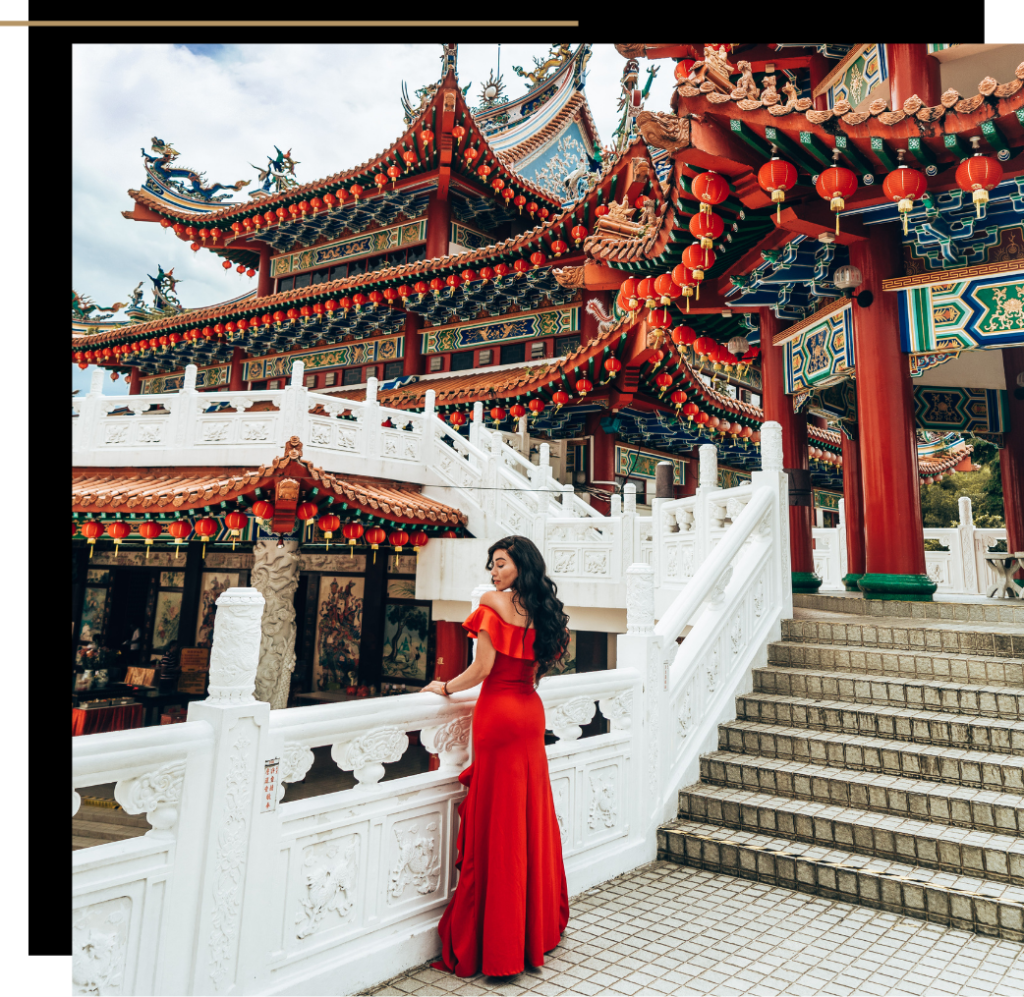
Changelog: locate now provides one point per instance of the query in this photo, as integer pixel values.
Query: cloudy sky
(226, 107)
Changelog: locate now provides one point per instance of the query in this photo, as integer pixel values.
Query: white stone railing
(961, 569)
(239, 890)
(729, 610)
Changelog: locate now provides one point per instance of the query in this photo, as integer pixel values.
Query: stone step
(958, 806)
(922, 726)
(109, 815)
(999, 857)
(999, 773)
(893, 634)
(104, 831)
(965, 902)
(1004, 611)
(918, 694)
(974, 670)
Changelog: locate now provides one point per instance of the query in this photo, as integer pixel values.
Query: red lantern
(508, 193)
(352, 532)
(682, 70)
(531, 206)
(776, 177)
(449, 535)
(453, 281)
(195, 247)
(536, 406)
(398, 539)
(704, 345)
(149, 530)
(470, 154)
(458, 133)
(306, 512)
(468, 276)
(678, 398)
(698, 259)
(558, 247)
(118, 531)
(328, 524)
(355, 190)
(418, 539)
(381, 180)
(517, 411)
(519, 201)
(690, 410)
(666, 288)
(410, 157)
(498, 414)
(92, 531)
(502, 269)
(483, 171)
(904, 186)
(684, 277)
(263, 510)
(560, 398)
(628, 297)
(486, 273)
(497, 183)
(659, 318)
(978, 175)
(179, 529)
(520, 266)
(583, 386)
(538, 259)
(835, 185)
(683, 335)
(709, 188)
(394, 172)
(226, 264)
(645, 291)
(236, 521)
(613, 365)
(426, 136)
(579, 233)
(375, 537)
(206, 528)
(701, 418)
(458, 419)
(663, 381)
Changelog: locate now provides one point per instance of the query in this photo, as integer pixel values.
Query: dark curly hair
(536, 595)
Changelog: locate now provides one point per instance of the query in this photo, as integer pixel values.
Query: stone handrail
(237, 889)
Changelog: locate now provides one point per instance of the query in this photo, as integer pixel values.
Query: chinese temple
(825, 236)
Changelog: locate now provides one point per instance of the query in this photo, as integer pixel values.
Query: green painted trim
(805, 581)
(850, 581)
(917, 588)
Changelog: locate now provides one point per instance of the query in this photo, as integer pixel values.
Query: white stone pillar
(972, 566)
(231, 879)
(275, 575)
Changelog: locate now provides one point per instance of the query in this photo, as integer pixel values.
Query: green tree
(983, 487)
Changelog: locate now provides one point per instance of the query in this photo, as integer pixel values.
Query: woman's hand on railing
(436, 686)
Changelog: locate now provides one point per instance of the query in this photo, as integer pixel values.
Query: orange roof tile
(140, 490)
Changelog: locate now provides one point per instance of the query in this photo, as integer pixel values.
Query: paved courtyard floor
(670, 929)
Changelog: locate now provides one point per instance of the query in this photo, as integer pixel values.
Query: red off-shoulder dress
(511, 901)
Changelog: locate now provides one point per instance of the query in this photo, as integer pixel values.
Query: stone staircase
(879, 760)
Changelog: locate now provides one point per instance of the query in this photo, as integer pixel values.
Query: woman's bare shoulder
(502, 604)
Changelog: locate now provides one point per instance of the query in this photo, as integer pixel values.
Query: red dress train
(511, 901)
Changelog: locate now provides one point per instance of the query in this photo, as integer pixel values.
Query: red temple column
(820, 66)
(135, 383)
(912, 71)
(439, 216)
(602, 459)
(412, 361)
(853, 501)
(778, 407)
(265, 284)
(452, 650)
(1011, 457)
(894, 566)
(235, 382)
(692, 475)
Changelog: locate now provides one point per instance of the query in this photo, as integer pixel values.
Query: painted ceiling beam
(792, 150)
(884, 152)
(852, 155)
(812, 218)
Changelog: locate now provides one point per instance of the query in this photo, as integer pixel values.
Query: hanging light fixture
(835, 185)
(978, 174)
(904, 186)
(776, 177)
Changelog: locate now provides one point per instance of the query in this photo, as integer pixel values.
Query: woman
(511, 904)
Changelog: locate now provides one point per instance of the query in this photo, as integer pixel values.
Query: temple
(500, 325)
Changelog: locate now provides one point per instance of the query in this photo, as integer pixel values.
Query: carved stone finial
(568, 276)
(771, 447)
(293, 448)
(639, 599)
(235, 654)
(298, 369)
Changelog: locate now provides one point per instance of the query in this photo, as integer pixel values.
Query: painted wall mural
(207, 377)
(976, 313)
(822, 354)
(869, 70)
(165, 624)
(468, 238)
(343, 355)
(94, 614)
(643, 465)
(535, 325)
(213, 585)
(339, 628)
(393, 237)
(406, 630)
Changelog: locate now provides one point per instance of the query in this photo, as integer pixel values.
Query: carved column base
(275, 575)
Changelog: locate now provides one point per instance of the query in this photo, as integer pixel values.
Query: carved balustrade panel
(582, 549)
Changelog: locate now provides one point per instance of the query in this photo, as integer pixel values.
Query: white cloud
(334, 106)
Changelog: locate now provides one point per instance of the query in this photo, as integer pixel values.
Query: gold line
(290, 24)
(930, 277)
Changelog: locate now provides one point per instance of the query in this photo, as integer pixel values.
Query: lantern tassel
(837, 223)
(905, 223)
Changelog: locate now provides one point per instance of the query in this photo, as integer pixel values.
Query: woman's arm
(474, 674)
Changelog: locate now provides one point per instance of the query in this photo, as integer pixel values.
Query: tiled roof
(576, 105)
(140, 490)
(776, 105)
(409, 136)
(928, 466)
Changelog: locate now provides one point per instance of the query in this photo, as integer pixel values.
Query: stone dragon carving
(275, 575)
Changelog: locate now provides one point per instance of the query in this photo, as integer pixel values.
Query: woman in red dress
(511, 904)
